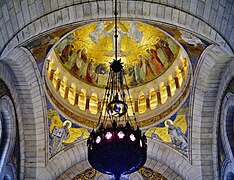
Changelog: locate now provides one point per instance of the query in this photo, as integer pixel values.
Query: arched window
(93, 103)
(141, 103)
(55, 79)
(131, 105)
(50, 69)
(6, 134)
(184, 66)
(72, 95)
(63, 89)
(7, 177)
(82, 99)
(162, 93)
(171, 85)
(178, 77)
(153, 100)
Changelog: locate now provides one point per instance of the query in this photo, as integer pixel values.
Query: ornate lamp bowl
(117, 150)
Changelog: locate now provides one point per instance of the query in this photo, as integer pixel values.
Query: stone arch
(167, 157)
(43, 21)
(8, 122)
(230, 176)
(230, 127)
(227, 126)
(228, 171)
(210, 81)
(163, 169)
(189, 16)
(22, 77)
(69, 161)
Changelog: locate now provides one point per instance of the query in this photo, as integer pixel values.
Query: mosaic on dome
(145, 103)
(145, 50)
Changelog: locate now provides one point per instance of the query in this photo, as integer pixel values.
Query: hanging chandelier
(117, 146)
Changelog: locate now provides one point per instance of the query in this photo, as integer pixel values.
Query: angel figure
(97, 32)
(172, 132)
(190, 39)
(135, 33)
(120, 36)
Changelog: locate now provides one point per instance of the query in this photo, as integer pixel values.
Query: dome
(77, 70)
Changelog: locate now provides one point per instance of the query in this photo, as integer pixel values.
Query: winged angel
(172, 132)
(62, 133)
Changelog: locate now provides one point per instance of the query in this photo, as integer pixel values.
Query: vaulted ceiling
(176, 56)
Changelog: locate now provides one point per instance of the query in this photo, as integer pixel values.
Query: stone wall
(211, 79)
(7, 138)
(227, 136)
(21, 75)
(21, 20)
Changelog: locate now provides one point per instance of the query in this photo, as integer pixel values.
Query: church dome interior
(155, 65)
(55, 64)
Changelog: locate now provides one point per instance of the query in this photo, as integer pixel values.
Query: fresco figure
(134, 73)
(100, 69)
(150, 69)
(77, 64)
(72, 60)
(164, 46)
(58, 135)
(177, 137)
(90, 74)
(64, 42)
(66, 53)
(135, 33)
(97, 32)
(173, 46)
(80, 67)
(155, 61)
(142, 69)
(81, 56)
(137, 72)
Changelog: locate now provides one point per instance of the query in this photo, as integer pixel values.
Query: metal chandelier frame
(117, 146)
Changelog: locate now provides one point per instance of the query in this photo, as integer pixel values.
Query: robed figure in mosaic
(58, 135)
